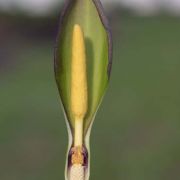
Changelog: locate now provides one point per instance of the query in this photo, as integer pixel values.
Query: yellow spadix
(79, 92)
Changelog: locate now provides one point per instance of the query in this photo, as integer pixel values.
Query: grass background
(136, 135)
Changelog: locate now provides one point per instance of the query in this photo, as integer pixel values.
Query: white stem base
(77, 172)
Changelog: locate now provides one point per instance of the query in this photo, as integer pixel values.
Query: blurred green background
(136, 135)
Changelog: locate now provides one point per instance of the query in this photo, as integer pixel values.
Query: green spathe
(85, 13)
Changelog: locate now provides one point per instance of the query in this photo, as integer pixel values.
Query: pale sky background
(141, 6)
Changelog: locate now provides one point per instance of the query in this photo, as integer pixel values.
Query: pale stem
(77, 172)
(78, 133)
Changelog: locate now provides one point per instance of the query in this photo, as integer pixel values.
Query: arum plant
(83, 56)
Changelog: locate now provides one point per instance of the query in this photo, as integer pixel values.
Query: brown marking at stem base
(77, 155)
